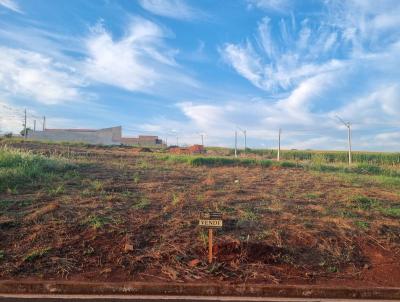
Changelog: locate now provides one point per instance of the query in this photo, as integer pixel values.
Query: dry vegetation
(96, 213)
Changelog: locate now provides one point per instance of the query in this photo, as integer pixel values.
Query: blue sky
(181, 68)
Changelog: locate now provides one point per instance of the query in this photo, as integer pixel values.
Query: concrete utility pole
(177, 141)
(279, 145)
(25, 124)
(34, 125)
(245, 141)
(349, 140)
(202, 139)
(348, 126)
(44, 123)
(235, 143)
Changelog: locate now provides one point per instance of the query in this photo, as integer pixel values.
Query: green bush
(20, 169)
(288, 164)
(393, 212)
(365, 203)
(324, 157)
(316, 165)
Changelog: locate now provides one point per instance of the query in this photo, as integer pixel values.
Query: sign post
(210, 245)
(211, 220)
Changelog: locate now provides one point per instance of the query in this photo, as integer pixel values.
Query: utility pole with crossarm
(348, 126)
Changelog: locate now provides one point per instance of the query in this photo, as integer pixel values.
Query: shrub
(288, 164)
(19, 169)
(33, 255)
(365, 203)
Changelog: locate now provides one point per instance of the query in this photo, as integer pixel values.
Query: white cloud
(291, 112)
(332, 64)
(11, 4)
(281, 63)
(30, 74)
(11, 118)
(245, 61)
(365, 24)
(265, 37)
(389, 138)
(387, 141)
(46, 42)
(302, 143)
(270, 5)
(379, 106)
(136, 62)
(176, 9)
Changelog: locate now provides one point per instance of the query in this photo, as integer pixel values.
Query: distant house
(143, 141)
(106, 136)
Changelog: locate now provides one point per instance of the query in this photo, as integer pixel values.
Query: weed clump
(21, 169)
(365, 203)
(96, 222)
(37, 253)
(142, 204)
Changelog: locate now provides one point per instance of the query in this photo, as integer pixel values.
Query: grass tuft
(142, 204)
(20, 169)
(37, 253)
(96, 222)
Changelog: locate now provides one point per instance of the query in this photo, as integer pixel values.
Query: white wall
(107, 136)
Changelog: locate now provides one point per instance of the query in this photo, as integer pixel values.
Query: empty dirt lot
(116, 214)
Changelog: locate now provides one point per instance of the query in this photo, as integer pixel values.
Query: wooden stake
(210, 245)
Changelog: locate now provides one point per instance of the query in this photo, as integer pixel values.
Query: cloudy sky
(182, 68)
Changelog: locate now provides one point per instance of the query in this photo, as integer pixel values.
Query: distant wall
(107, 136)
(144, 141)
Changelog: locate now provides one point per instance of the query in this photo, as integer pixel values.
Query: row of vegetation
(21, 169)
(362, 168)
(374, 158)
(361, 157)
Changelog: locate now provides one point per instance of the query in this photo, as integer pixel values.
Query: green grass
(96, 222)
(392, 212)
(176, 198)
(362, 169)
(37, 253)
(365, 203)
(250, 215)
(218, 161)
(370, 158)
(45, 142)
(312, 195)
(215, 161)
(362, 225)
(56, 190)
(20, 169)
(142, 204)
(96, 185)
(371, 204)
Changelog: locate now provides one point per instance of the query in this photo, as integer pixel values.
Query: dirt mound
(195, 149)
(145, 149)
(249, 252)
(313, 256)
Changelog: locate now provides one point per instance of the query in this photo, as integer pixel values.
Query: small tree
(8, 135)
(23, 131)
